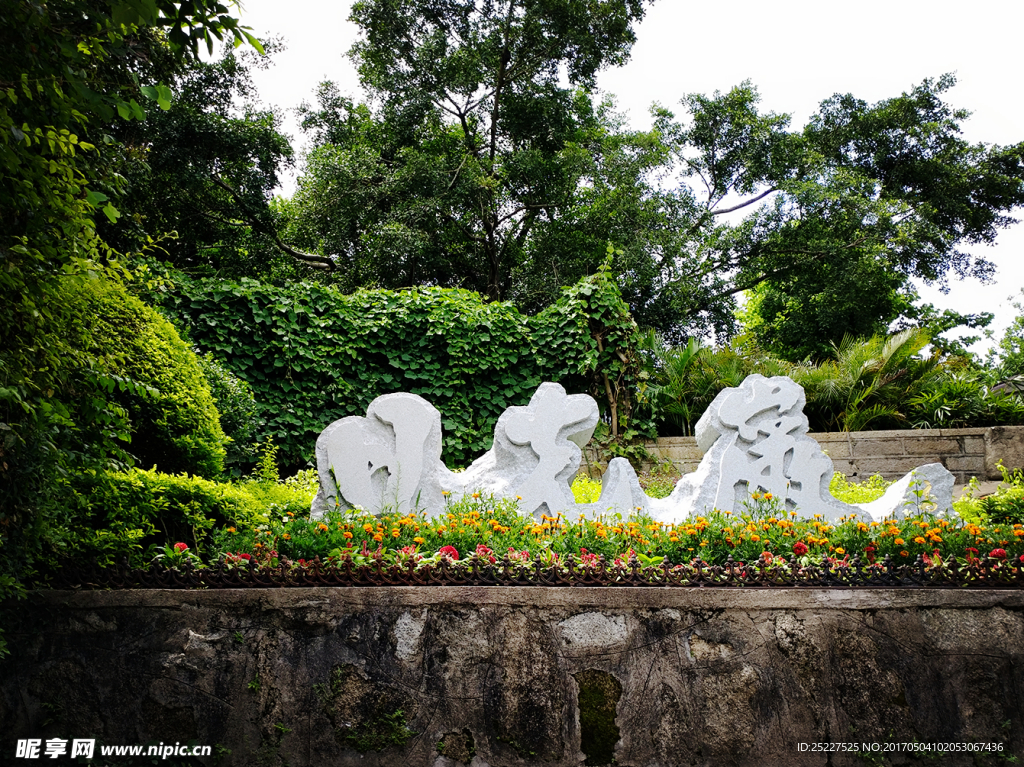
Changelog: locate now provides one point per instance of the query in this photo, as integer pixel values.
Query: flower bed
(486, 541)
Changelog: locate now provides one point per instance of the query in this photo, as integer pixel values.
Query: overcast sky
(797, 53)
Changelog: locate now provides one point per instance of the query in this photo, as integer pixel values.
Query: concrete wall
(965, 452)
(508, 677)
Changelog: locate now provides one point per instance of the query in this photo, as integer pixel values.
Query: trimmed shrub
(239, 416)
(174, 427)
(113, 515)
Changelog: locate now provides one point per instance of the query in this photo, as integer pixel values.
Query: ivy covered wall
(313, 355)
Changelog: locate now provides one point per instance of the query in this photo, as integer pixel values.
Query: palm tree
(870, 381)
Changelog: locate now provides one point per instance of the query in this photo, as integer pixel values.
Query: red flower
(799, 548)
(870, 552)
(449, 551)
(997, 554)
(485, 553)
(181, 547)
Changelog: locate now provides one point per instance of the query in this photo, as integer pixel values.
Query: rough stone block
(927, 488)
(974, 445)
(932, 446)
(969, 463)
(887, 467)
(1005, 443)
(754, 439)
(870, 447)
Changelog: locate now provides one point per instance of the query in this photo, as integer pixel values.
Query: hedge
(313, 355)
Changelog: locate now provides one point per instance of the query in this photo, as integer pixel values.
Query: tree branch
(743, 204)
(310, 259)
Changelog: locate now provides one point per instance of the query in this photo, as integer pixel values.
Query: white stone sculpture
(391, 459)
(536, 452)
(926, 488)
(754, 439)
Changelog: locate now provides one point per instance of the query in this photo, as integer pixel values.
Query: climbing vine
(312, 354)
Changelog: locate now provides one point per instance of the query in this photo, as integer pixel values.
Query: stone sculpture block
(754, 439)
(536, 452)
(389, 459)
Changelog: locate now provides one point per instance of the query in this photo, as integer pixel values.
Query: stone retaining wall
(964, 452)
(508, 677)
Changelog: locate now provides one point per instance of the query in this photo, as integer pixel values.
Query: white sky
(797, 53)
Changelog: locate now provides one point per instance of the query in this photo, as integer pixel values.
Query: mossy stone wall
(508, 676)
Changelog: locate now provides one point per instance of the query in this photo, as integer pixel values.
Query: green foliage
(585, 489)
(206, 179)
(868, 383)
(113, 515)
(1008, 357)
(176, 423)
(326, 355)
(380, 732)
(867, 197)
(67, 70)
(881, 382)
(266, 466)
(1006, 505)
(660, 480)
(239, 416)
(871, 489)
(682, 381)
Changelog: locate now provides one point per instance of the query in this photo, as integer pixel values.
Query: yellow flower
(768, 496)
(899, 541)
(286, 537)
(378, 537)
(754, 538)
(347, 534)
(368, 528)
(231, 530)
(395, 533)
(417, 539)
(840, 551)
(920, 540)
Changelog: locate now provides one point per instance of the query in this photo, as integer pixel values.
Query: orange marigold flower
(346, 534)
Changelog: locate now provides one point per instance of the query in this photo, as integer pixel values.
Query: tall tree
(205, 171)
(471, 142)
(844, 213)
